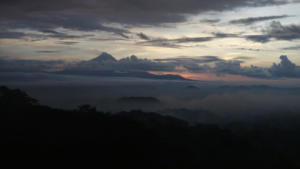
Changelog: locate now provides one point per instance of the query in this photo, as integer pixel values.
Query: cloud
(252, 20)
(198, 60)
(222, 67)
(285, 68)
(258, 38)
(122, 34)
(30, 65)
(242, 58)
(277, 31)
(225, 35)
(48, 51)
(201, 64)
(94, 15)
(178, 42)
(210, 21)
(292, 48)
(106, 62)
(127, 11)
(11, 34)
(218, 66)
(67, 42)
(280, 32)
(250, 49)
(48, 25)
(143, 36)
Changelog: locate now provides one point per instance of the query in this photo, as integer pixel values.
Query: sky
(229, 37)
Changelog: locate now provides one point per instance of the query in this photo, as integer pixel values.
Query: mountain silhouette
(104, 57)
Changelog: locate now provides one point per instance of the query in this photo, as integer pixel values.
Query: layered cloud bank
(198, 65)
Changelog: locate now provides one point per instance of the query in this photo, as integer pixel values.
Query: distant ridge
(139, 100)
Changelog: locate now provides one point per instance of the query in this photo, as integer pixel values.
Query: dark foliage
(35, 136)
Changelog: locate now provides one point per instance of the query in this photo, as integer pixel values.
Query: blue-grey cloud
(258, 38)
(107, 64)
(180, 42)
(47, 25)
(210, 21)
(13, 34)
(197, 60)
(143, 36)
(67, 42)
(292, 48)
(48, 51)
(29, 65)
(285, 68)
(277, 31)
(250, 49)
(127, 11)
(92, 15)
(252, 20)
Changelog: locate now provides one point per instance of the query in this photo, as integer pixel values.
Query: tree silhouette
(86, 108)
(36, 136)
(15, 97)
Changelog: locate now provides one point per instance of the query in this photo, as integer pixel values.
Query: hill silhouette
(37, 136)
(145, 100)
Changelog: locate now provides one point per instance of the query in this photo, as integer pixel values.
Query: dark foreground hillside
(35, 136)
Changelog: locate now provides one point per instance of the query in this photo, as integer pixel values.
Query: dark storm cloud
(252, 20)
(45, 34)
(48, 23)
(94, 15)
(277, 31)
(11, 35)
(88, 15)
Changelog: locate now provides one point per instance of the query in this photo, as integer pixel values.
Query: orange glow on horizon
(214, 77)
